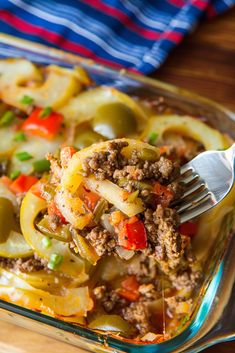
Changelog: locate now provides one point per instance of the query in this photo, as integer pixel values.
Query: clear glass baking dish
(213, 320)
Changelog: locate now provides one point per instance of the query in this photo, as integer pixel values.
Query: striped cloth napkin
(135, 34)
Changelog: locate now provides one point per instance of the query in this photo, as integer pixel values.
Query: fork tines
(196, 199)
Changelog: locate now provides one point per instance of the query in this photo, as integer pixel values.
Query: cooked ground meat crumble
(168, 252)
(30, 264)
(167, 263)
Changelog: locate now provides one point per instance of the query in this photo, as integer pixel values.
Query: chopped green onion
(153, 138)
(26, 100)
(7, 118)
(46, 242)
(23, 156)
(55, 261)
(45, 112)
(14, 174)
(19, 137)
(42, 165)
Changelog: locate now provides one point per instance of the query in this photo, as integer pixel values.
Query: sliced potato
(37, 147)
(15, 246)
(188, 126)
(59, 86)
(83, 107)
(75, 301)
(18, 71)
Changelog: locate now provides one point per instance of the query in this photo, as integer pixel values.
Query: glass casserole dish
(210, 322)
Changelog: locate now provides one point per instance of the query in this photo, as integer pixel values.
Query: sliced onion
(124, 253)
(106, 223)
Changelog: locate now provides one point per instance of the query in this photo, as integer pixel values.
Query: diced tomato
(130, 283)
(54, 211)
(163, 194)
(130, 289)
(90, 198)
(23, 183)
(127, 294)
(133, 235)
(163, 149)
(188, 228)
(6, 181)
(66, 154)
(46, 127)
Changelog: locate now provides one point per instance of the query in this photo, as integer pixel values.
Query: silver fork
(208, 178)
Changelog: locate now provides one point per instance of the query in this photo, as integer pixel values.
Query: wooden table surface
(204, 63)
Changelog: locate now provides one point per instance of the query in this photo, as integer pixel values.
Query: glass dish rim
(195, 322)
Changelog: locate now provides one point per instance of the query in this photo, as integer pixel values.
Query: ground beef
(144, 267)
(161, 170)
(161, 226)
(148, 292)
(108, 299)
(187, 280)
(55, 168)
(137, 314)
(166, 168)
(31, 264)
(111, 164)
(169, 239)
(54, 221)
(177, 189)
(101, 240)
(103, 164)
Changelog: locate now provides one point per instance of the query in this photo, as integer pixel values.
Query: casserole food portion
(88, 229)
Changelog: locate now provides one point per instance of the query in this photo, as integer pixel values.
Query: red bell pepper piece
(130, 283)
(90, 198)
(23, 183)
(46, 127)
(53, 210)
(188, 228)
(130, 289)
(133, 234)
(127, 294)
(163, 194)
